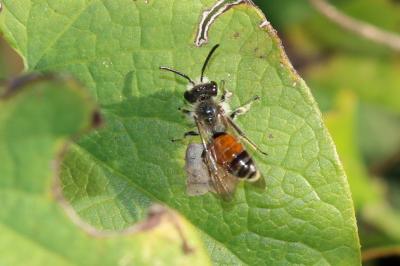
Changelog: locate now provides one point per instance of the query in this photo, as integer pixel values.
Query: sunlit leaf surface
(305, 216)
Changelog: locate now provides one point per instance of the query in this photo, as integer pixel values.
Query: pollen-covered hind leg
(244, 108)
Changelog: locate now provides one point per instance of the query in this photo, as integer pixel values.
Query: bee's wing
(204, 176)
(222, 181)
(231, 126)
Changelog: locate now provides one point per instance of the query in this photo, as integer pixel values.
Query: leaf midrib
(61, 33)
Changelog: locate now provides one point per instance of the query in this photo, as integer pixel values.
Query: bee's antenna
(179, 73)
(207, 59)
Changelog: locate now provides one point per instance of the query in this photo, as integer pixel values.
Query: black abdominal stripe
(243, 167)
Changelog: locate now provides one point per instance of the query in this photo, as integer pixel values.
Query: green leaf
(305, 216)
(35, 123)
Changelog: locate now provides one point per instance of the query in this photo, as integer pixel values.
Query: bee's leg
(190, 133)
(244, 108)
(185, 111)
(226, 95)
(243, 136)
(185, 135)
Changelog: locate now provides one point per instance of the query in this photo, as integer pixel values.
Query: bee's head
(201, 92)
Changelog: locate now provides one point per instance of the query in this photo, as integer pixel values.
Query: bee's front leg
(185, 111)
(226, 95)
(244, 108)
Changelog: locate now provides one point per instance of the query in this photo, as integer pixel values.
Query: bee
(220, 161)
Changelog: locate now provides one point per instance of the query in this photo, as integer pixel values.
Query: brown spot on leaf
(15, 85)
(258, 53)
(97, 120)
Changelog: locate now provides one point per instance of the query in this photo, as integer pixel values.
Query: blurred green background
(357, 85)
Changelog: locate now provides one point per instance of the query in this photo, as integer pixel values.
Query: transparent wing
(235, 129)
(201, 180)
(231, 126)
(222, 181)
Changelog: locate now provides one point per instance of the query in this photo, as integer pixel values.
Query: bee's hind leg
(244, 108)
(191, 133)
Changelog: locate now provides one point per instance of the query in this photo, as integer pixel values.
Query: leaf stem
(358, 27)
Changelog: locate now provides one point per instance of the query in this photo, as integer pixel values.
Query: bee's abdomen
(231, 154)
(226, 147)
(243, 167)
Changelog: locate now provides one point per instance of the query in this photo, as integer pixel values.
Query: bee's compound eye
(189, 96)
(214, 88)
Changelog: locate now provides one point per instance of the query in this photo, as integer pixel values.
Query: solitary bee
(221, 160)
